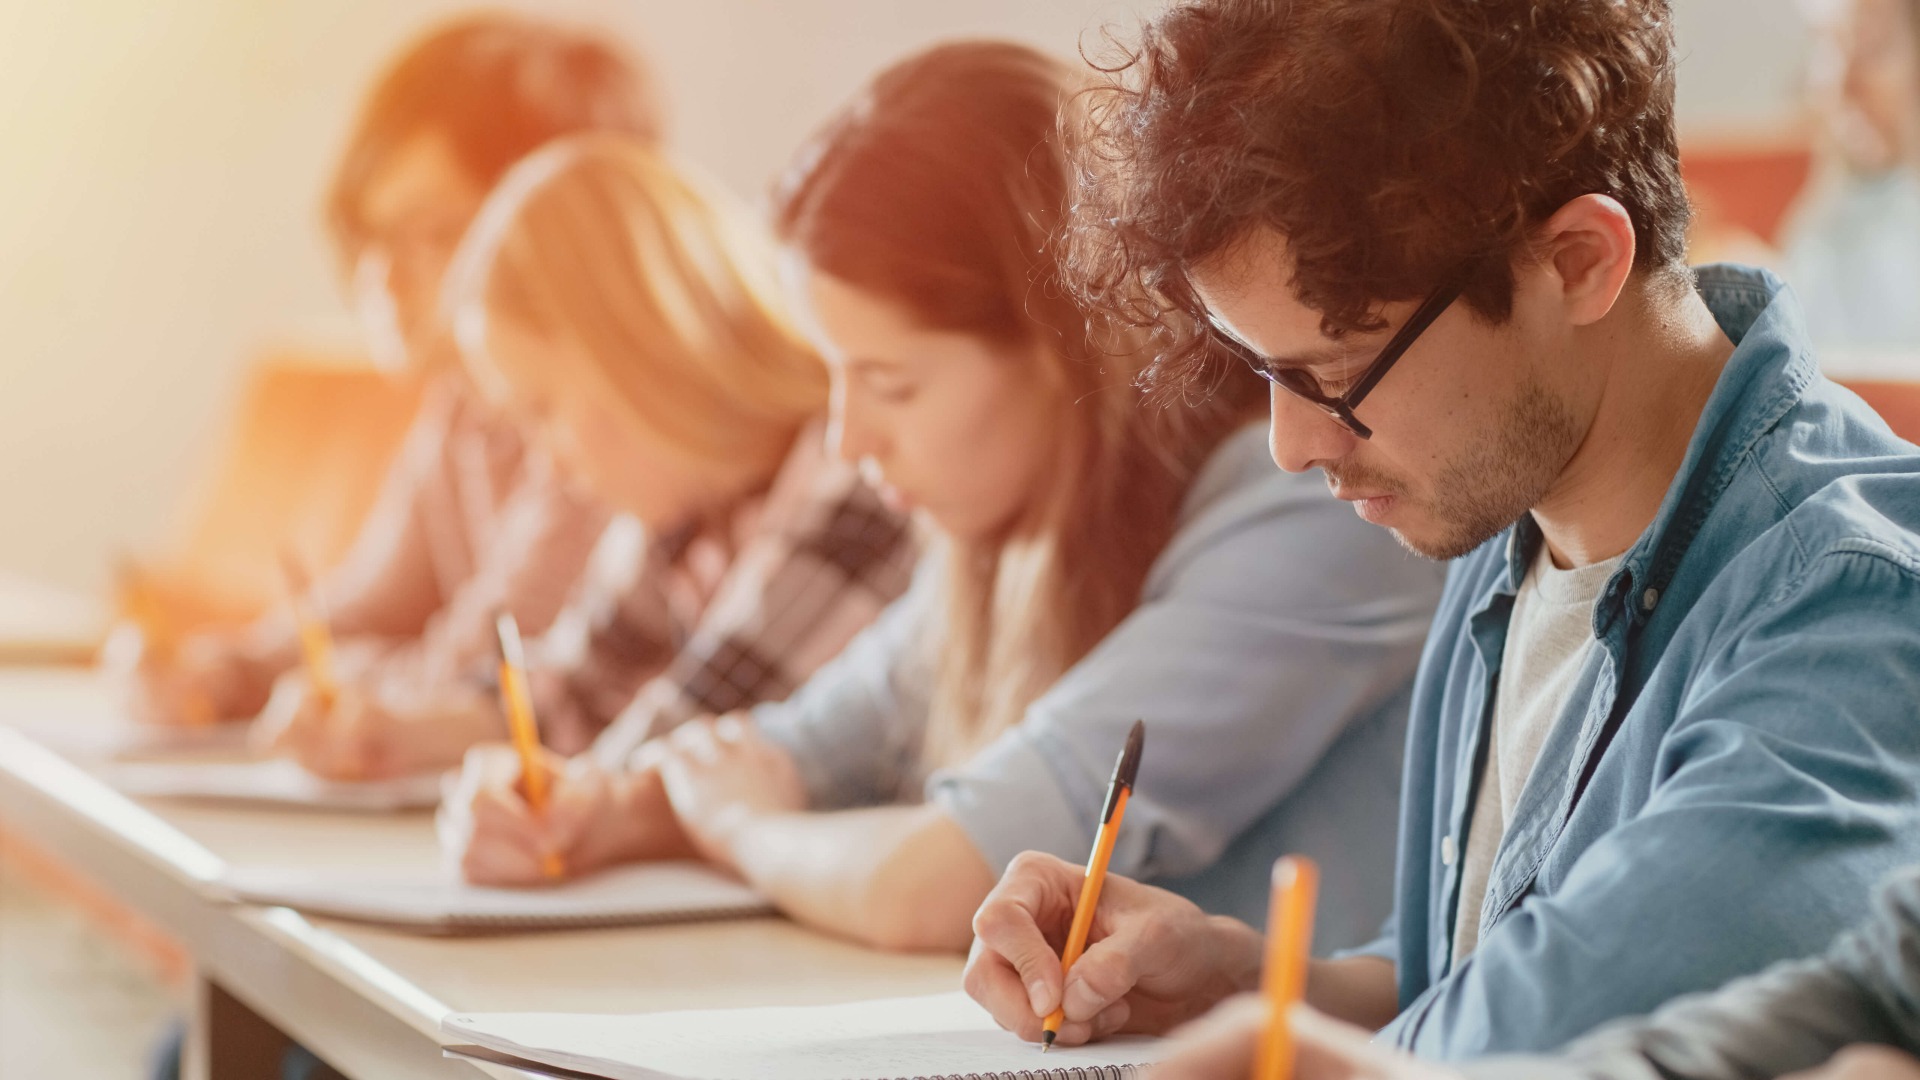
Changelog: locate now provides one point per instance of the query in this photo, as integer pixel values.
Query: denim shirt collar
(1769, 371)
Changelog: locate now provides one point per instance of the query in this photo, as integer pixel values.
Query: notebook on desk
(943, 1037)
(431, 899)
(276, 782)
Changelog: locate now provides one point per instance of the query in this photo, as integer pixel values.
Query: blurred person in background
(630, 318)
(1853, 252)
(1103, 558)
(469, 519)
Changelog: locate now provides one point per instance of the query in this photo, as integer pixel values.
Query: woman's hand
(593, 819)
(206, 680)
(721, 775)
(355, 734)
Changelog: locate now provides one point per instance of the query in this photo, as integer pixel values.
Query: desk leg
(228, 1041)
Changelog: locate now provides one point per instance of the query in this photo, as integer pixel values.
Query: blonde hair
(940, 189)
(662, 282)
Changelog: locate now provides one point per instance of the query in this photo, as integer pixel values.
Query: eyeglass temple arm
(1423, 317)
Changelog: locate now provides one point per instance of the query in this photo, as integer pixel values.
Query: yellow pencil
(518, 703)
(316, 641)
(1119, 789)
(1296, 886)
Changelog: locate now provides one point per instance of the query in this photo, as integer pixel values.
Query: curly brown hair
(1391, 142)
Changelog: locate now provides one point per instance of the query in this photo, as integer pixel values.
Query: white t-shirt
(1547, 642)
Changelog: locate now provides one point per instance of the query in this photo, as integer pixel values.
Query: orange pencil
(1296, 886)
(1119, 789)
(316, 642)
(518, 703)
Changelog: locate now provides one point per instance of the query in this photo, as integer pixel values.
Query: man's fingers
(1112, 1019)
(993, 983)
(1009, 930)
(1104, 974)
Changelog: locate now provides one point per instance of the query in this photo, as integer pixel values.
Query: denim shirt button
(1447, 853)
(1648, 599)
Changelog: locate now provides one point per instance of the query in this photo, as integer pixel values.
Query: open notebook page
(277, 781)
(431, 897)
(946, 1035)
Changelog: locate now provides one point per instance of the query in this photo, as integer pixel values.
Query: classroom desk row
(367, 1000)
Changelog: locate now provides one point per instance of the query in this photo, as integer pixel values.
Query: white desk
(368, 1000)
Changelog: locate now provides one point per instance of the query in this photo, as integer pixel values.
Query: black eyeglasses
(1299, 383)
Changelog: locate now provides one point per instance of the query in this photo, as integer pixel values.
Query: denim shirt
(1741, 760)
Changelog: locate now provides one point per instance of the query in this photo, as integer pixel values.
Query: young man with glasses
(1665, 727)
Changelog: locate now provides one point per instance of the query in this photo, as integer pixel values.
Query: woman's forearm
(895, 877)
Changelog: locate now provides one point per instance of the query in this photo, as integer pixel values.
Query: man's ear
(1587, 249)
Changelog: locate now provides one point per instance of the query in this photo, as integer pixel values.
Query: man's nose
(1301, 435)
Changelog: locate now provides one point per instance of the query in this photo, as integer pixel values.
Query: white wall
(161, 168)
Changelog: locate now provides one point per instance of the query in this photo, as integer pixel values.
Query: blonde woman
(413, 596)
(1102, 560)
(628, 317)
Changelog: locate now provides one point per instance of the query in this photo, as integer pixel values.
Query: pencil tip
(1129, 764)
(1046, 1041)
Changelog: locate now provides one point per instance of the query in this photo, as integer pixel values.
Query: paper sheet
(431, 897)
(946, 1035)
(276, 781)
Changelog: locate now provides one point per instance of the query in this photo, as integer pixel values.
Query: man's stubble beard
(1495, 480)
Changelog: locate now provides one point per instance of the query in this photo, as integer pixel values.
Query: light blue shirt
(1741, 760)
(1270, 657)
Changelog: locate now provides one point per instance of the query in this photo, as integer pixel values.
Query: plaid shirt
(724, 617)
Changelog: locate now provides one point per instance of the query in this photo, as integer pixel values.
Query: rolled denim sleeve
(1791, 1017)
(1793, 769)
(854, 729)
(1275, 621)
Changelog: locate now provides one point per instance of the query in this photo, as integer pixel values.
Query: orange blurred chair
(1897, 402)
(1745, 185)
(1746, 190)
(310, 442)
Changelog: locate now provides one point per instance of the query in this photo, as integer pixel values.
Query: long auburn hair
(939, 189)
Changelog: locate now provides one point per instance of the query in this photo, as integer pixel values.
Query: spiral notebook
(273, 782)
(431, 899)
(943, 1037)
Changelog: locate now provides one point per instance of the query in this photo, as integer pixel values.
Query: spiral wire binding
(1074, 1073)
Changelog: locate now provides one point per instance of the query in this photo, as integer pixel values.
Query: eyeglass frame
(1341, 407)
